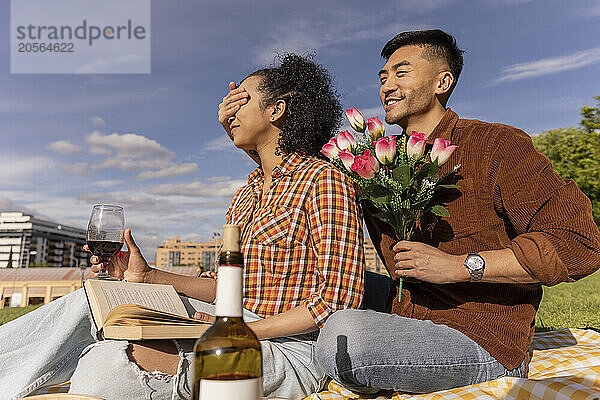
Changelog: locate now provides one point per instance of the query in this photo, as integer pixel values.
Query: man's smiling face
(408, 84)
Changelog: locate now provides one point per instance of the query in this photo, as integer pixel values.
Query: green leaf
(433, 170)
(422, 172)
(420, 205)
(402, 174)
(387, 217)
(440, 211)
(379, 194)
(448, 186)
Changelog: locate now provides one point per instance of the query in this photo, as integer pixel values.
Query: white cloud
(64, 147)
(223, 142)
(137, 202)
(131, 164)
(550, 65)
(18, 170)
(107, 183)
(99, 150)
(7, 204)
(200, 189)
(55, 207)
(218, 178)
(129, 145)
(173, 170)
(97, 121)
(126, 152)
(79, 168)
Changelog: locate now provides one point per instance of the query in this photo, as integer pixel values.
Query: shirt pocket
(280, 235)
(273, 228)
(464, 219)
(281, 226)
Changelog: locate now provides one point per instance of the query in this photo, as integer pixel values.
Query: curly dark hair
(313, 108)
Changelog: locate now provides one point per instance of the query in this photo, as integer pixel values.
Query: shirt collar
(287, 165)
(445, 127)
(255, 176)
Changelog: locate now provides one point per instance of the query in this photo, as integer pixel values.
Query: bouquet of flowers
(395, 173)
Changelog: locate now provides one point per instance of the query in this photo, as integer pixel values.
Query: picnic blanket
(565, 365)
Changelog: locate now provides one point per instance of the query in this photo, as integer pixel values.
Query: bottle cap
(231, 238)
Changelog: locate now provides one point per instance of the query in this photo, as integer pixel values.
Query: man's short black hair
(437, 44)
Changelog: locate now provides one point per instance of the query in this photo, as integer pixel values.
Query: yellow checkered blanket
(565, 365)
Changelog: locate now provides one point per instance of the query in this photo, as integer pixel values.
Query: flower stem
(399, 289)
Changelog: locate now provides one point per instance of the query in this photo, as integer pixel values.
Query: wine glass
(105, 234)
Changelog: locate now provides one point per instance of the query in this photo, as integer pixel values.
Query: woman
(301, 238)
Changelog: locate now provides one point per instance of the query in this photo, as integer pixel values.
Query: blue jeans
(57, 342)
(42, 348)
(368, 351)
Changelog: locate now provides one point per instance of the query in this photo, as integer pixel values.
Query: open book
(140, 311)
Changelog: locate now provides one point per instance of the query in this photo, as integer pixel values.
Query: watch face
(475, 262)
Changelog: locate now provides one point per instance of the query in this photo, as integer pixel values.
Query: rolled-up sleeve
(556, 237)
(336, 232)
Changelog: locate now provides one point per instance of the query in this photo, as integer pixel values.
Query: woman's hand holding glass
(129, 265)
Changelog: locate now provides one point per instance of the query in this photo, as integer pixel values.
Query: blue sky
(151, 142)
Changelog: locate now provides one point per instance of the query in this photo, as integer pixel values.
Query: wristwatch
(476, 265)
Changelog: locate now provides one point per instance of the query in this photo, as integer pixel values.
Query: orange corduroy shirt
(509, 197)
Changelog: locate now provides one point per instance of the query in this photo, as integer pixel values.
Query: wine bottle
(227, 357)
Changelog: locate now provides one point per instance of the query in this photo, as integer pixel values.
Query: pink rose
(356, 119)
(347, 159)
(330, 149)
(385, 149)
(365, 165)
(375, 127)
(441, 151)
(345, 140)
(415, 147)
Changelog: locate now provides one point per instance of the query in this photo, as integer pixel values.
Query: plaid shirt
(302, 242)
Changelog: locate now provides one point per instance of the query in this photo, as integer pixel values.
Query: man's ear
(445, 80)
(278, 111)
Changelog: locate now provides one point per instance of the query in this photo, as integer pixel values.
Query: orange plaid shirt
(302, 242)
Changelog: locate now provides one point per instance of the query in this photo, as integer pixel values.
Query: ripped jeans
(57, 342)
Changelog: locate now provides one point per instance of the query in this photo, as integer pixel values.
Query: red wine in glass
(104, 249)
(105, 234)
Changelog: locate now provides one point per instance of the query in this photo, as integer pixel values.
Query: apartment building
(372, 261)
(177, 252)
(27, 241)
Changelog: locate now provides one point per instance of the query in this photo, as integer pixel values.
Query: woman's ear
(278, 111)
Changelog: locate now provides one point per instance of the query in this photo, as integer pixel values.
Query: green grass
(567, 305)
(10, 313)
(571, 305)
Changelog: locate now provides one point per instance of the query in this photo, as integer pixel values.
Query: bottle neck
(230, 285)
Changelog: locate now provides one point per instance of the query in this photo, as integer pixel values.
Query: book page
(128, 314)
(111, 294)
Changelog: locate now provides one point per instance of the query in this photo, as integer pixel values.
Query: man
(472, 281)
